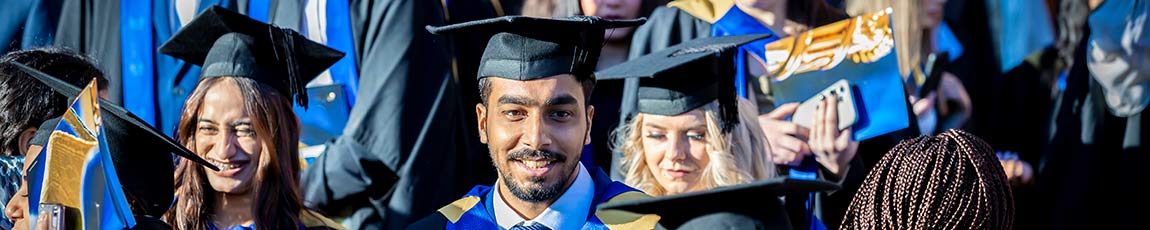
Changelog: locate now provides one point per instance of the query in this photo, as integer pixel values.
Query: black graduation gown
(410, 118)
(1094, 161)
(93, 28)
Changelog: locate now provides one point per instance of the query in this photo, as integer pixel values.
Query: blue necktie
(532, 226)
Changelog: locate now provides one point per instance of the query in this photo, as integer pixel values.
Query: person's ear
(590, 114)
(481, 113)
(25, 138)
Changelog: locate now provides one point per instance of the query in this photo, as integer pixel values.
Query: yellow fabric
(707, 10)
(64, 167)
(616, 219)
(311, 219)
(456, 209)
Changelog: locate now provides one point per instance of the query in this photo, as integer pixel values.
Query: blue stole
(482, 215)
(734, 23)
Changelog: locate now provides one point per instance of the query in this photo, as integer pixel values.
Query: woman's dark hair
(25, 102)
(276, 192)
(949, 181)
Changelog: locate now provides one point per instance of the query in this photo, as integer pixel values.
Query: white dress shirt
(568, 212)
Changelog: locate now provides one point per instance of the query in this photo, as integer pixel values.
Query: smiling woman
(247, 130)
(240, 119)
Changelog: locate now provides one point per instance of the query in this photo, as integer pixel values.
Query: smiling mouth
(228, 166)
(535, 168)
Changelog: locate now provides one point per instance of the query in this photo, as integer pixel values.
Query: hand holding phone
(841, 90)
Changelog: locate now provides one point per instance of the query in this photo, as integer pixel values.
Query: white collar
(568, 212)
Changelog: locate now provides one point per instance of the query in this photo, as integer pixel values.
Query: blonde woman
(691, 132)
(666, 155)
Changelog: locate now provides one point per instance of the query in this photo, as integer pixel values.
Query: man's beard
(533, 190)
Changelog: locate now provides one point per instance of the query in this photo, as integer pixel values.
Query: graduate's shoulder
(451, 212)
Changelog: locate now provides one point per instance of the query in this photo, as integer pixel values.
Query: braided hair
(949, 181)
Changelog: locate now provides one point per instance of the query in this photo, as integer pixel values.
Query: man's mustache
(534, 154)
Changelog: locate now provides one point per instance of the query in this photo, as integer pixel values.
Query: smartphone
(936, 64)
(841, 89)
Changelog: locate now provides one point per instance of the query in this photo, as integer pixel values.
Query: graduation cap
(228, 44)
(44, 132)
(528, 48)
(757, 200)
(687, 76)
(140, 152)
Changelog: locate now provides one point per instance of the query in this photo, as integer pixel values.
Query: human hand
(923, 105)
(787, 140)
(1018, 172)
(832, 148)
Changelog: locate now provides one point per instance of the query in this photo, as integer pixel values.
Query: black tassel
(286, 44)
(728, 100)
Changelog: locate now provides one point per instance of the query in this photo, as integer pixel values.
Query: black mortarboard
(44, 132)
(528, 48)
(140, 153)
(226, 43)
(758, 200)
(686, 76)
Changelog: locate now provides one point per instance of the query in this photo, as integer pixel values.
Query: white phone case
(805, 115)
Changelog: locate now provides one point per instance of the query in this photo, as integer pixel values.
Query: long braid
(949, 181)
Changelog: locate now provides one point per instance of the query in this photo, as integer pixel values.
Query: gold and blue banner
(75, 170)
(860, 50)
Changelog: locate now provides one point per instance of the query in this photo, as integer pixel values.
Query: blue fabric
(948, 43)
(1020, 28)
(258, 9)
(324, 120)
(237, 227)
(482, 215)
(10, 174)
(100, 191)
(339, 37)
(735, 23)
(28, 24)
(40, 28)
(137, 53)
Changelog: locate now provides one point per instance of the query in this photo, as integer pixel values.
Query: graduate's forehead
(542, 91)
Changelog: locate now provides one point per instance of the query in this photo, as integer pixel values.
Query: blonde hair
(740, 156)
(908, 32)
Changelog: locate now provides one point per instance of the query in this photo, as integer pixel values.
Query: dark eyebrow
(564, 99)
(517, 100)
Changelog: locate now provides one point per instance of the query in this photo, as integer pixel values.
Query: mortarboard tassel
(728, 98)
(286, 44)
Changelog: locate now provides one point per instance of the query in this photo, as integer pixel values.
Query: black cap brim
(759, 200)
(120, 115)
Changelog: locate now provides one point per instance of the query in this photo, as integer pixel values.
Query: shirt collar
(568, 212)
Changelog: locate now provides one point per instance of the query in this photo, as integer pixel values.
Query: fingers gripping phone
(805, 114)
